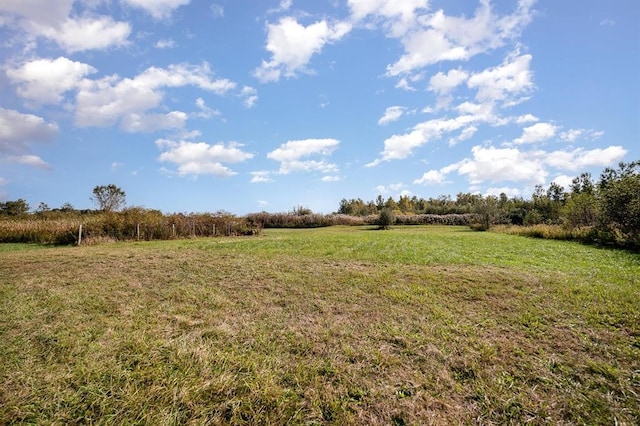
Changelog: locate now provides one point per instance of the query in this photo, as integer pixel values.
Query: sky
(258, 105)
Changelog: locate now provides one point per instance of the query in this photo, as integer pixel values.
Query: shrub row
(292, 220)
(132, 224)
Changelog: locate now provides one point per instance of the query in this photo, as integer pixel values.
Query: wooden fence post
(80, 234)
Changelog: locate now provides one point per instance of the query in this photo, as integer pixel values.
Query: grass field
(415, 325)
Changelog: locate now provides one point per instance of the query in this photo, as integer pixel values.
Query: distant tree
(385, 218)
(42, 207)
(109, 197)
(301, 211)
(487, 210)
(67, 207)
(14, 208)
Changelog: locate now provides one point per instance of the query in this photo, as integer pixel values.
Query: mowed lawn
(415, 325)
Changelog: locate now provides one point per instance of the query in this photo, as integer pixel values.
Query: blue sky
(244, 106)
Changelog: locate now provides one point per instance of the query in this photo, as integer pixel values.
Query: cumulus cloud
(18, 131)
(391, 114)
(292, 45)
(293, 156)
(398, 147)
(197, 158)
(432, 177)
(439, 37)
(158, 9)
(75, 35)
(489, 164)
(397, 17)
(44, 81)
(52, 20)
(508, 82)
(537, 133)
(112, 100)
(442, 83)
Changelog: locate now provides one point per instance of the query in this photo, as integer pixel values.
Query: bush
(385, 219)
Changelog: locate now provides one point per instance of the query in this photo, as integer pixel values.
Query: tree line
(606, 210)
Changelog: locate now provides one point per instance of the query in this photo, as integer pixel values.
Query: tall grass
(131, 224)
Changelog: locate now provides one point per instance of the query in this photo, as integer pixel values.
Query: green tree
(14, 208)
(109, 198)
(386, 218)
(487, 209)
(619, 201)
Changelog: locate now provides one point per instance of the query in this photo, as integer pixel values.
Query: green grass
(415, 325)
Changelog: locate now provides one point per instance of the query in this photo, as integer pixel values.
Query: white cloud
(44, 81)
(391, 114)
(580, 159)
(261, 176)
(537, 133)
(398, 147)
(147, 123)
(291, 155)
(52, 20)
(250, 96)
(292, 45)
(607, 22)
(526, 118)
(44, 13)
(331, 179)
(563, 180)
(165, 44)
(506, 82)
(432, 177)
(158, 9)
(467, 133)
(572, 135)
(439, 37)
(490, 164)
(30, 160)
(496, 165)
(17, 130)
(80, 34)
(397, 17)
(112, 100)
(196, 158)
(205, 111)
(442, 83)
(217, 10)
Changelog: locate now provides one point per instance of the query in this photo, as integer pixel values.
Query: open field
(416, 325)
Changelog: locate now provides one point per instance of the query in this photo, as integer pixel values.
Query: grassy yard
(415, 325)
